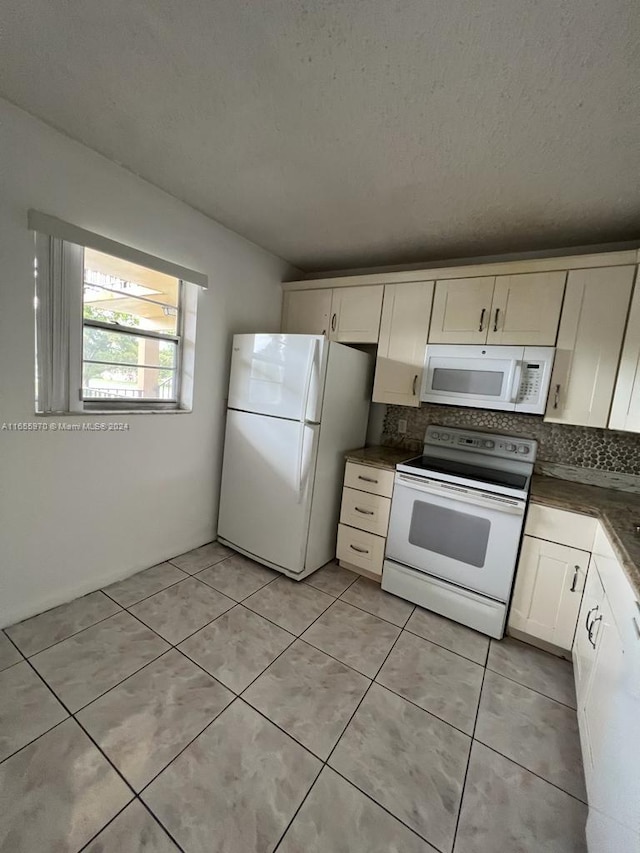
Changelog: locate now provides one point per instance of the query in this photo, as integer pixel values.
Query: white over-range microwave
(513, 379)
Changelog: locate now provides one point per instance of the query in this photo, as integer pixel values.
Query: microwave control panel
(531, 382)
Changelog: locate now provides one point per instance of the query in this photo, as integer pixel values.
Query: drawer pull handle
(575, 578)
(495, 322)
(636, 626)
(556, 397)
(333, 322)
(367, 479)
(597, 619)
(482, 313)
(586, 624)
(359, 550)
(364, 511)
(415, 382)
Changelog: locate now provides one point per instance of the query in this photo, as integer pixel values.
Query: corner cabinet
(514, 310)
(589, 344)
(606, 657)
(551, 575)
(625, 412)
(406, 310)
(344, 314)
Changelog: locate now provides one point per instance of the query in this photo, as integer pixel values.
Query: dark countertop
(618, 511)
(379, 457)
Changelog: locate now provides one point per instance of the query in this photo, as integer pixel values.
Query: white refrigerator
(296, 404)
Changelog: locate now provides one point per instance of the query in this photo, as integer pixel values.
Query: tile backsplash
(558, 444)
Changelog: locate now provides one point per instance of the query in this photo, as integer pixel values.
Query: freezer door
(267, 484)
(279, 375)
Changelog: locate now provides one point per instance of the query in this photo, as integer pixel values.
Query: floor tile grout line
(466, 770)
(377, 615)
(72, 715)
(446, 648)
(325, 762)
(75, 633)
(151, 594)
(529, 770)
(533, 689)
(116, 816)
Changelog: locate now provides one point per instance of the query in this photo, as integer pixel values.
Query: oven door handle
(499, 503)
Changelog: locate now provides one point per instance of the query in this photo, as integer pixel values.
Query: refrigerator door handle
(308, 379)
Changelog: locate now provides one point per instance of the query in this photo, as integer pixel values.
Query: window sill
(113, 412)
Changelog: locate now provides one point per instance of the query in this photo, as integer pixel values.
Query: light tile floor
(209, 704)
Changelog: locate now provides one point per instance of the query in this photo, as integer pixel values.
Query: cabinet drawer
(366, 511)
(558, 525)
(366, 478)
(361, 549)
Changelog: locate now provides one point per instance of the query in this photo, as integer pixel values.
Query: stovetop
(482, 460)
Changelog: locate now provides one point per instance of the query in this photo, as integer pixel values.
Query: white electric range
(456, 521)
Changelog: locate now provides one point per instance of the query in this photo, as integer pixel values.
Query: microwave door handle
(517, 381)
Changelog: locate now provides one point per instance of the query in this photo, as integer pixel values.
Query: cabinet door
(307, 312)
(589, 344)
(355, 314)
(583, 653)
(461, 310)
(403, 337)
(526, 309)
(549, 585)
(625, 412)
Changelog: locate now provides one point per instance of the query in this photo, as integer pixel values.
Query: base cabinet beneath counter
(364, 519)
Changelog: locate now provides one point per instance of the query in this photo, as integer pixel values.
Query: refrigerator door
(279, 375)
(267, 484)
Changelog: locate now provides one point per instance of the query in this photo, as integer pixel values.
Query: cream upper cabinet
(350, 315)
(625, 412)
(461, 309)
(307, 312)
(506, 309)
(549, 584)
(403, 337)
(525, 309)
(595, 311)
(355, 314)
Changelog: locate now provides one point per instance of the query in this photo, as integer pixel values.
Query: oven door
(485, 377)
(463, 535)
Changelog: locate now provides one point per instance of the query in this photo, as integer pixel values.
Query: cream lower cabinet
(551, 575)
(606, 656)
(625, 412)
(548, 591)
(513, 310)
(364, 518)
(344, 314)
(594, 315)
(406, 310)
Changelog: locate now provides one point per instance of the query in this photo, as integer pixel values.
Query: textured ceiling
(343, 133)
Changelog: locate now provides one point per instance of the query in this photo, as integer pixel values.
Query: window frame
(60, 323)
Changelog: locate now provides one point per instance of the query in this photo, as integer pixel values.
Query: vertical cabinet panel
(589, 344)
(403, 337)
(526, 309)
(355, 314)
(625, 412)
(548, 591)
(461, 310)
(307, 312)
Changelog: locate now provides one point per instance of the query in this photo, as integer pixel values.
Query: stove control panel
(481, 442)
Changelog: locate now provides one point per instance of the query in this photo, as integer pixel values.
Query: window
(112, 333)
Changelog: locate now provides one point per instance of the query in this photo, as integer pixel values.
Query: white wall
(79, 510)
